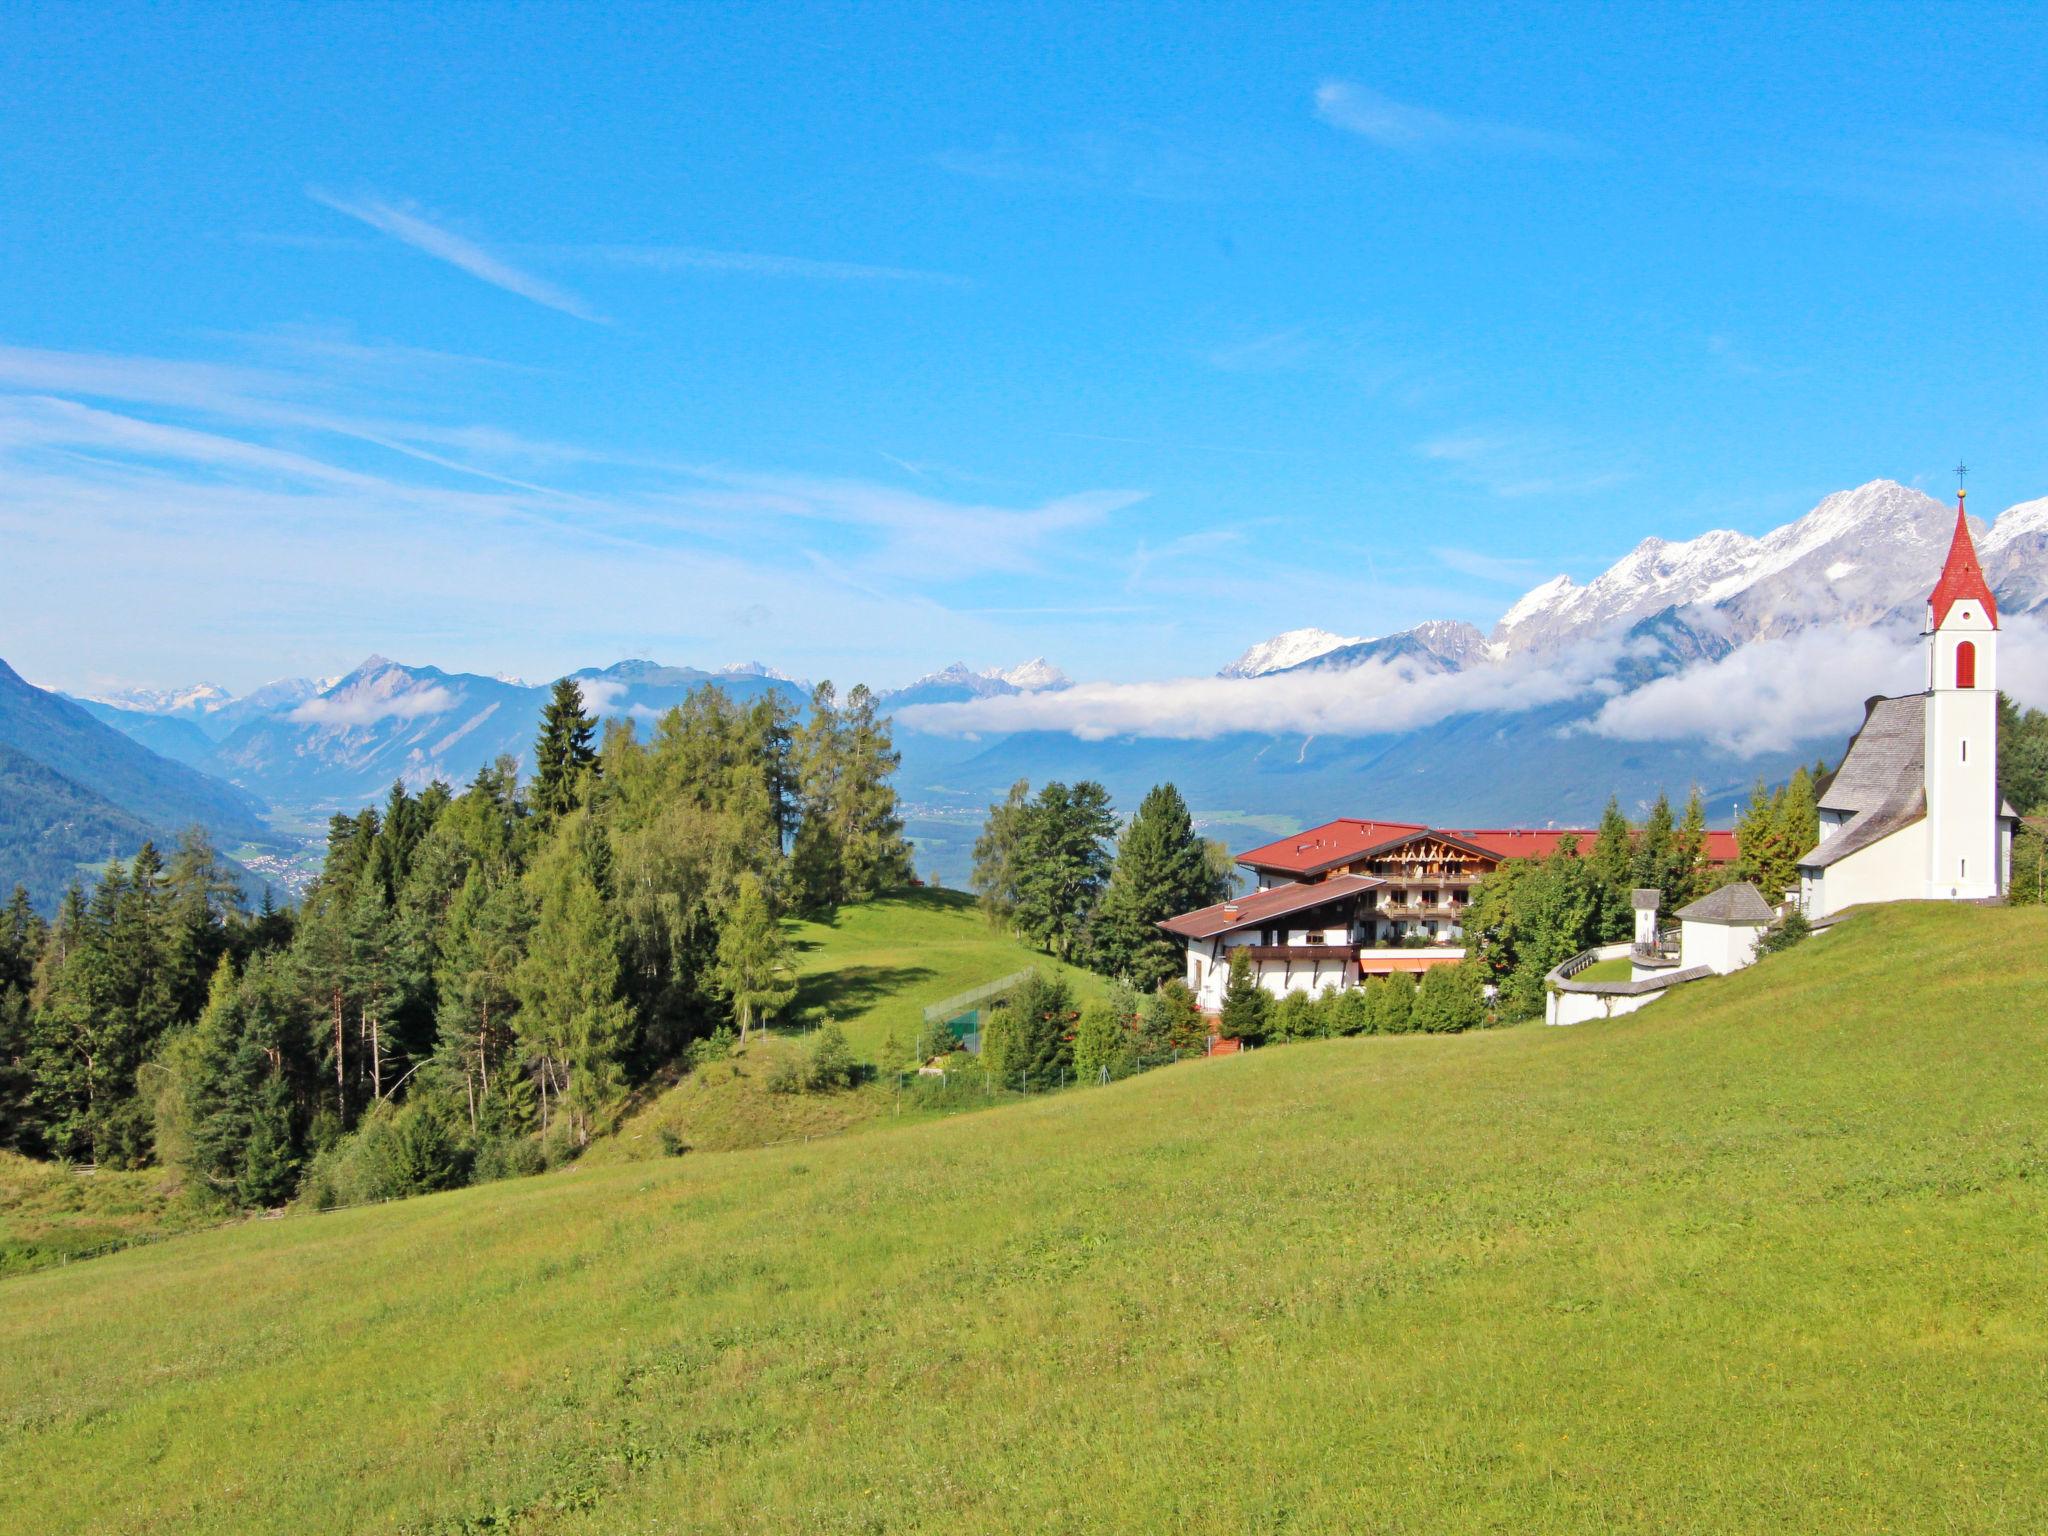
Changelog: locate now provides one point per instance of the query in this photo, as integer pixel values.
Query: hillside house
(1349, 900)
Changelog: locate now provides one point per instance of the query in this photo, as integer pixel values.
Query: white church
(1914, 812)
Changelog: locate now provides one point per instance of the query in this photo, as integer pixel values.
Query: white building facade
(1914, 812)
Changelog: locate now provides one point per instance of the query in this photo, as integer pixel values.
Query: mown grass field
(872, 968)
(1764, 1256)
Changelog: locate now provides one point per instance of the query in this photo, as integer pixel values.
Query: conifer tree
(999, 852)
(1162, 868)
(873, 853)
(1063, 864)
(1041, 1022)
(1245, 1003)
(563, 755)
(753, 959)
(1687, 881)
(1656, 847)
(1390, 1005)
(1612, 864)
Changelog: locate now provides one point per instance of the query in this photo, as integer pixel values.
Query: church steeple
(1961, 577)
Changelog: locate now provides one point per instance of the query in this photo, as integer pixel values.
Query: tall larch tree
(754, 972)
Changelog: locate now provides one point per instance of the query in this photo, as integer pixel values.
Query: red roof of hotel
(1263, 906)
(1334, 842)
(1961, 575)
(1348, 837)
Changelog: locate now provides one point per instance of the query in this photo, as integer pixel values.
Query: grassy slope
(51, 1212)
(1763, 1256)
(872, 968)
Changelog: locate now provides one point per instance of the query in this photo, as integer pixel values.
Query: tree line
(473, 982)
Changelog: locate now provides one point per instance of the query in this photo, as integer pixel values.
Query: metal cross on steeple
(1962, 473)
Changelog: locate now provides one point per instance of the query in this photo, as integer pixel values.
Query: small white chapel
(1914, 813)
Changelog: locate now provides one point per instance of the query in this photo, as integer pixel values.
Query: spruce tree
(1612, 864)
(563, 755)
(1162, 868)
(1688, 877)
(1655, 848)
(1040, 1051)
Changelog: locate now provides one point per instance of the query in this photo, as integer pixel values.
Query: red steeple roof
(1962, 576)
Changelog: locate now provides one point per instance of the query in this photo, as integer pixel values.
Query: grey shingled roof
(1731, 904)
(1886, 758)
(1866, 827)
(1645, 899)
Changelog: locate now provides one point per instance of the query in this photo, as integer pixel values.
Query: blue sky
(862, 339)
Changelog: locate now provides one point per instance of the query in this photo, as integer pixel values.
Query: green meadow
(1767, 1255)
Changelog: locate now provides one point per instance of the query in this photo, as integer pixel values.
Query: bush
(1103, 1041)
(716, 1046)
(1789, 930)
(1293, 1017)
(785, 1075)
(1171, 1022)
(506, 1157)
(828, 1061)
(392, 1153)
(1450, 999)
(1389, 1004)
(1245, 1002)
(1344, 1012)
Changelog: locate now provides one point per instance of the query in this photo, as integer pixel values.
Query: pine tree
(753, 959)
(875, 856)
(1162, 869)
(563, 756)
(1798, 832)
(1171, 1021)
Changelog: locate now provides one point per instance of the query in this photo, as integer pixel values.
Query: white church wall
(1891, 869)
(1721, 947)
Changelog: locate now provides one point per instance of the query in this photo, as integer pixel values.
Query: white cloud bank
(1769, 695)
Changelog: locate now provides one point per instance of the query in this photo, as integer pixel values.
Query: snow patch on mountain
(1289, 649)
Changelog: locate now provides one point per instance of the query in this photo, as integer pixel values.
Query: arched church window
(1966, 665)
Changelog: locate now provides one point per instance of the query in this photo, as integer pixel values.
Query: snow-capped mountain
(1289, 649)
(1857, 558)
(198, 699)
(1031, 676)
(1437, 645)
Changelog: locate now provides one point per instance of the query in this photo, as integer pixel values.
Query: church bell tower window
(1966, 665)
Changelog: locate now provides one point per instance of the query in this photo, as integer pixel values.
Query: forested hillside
(475, 981)
(50, 828)
(166, 795)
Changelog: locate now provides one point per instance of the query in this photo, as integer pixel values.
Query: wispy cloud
(1504, 570)
(366, 707)
(682, 258)
(1270, 352)
(1412, 129)
(444, 244)
(1513, 463)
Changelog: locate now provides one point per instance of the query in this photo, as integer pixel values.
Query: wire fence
(970, 1086)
